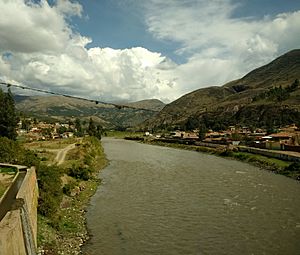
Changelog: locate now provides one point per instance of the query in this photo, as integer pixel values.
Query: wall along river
(159, 200)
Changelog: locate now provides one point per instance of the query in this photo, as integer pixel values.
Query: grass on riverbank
(123, 134)
(47, 150)
(53, 144)
(64, 231)
(6, 176)
(278, 166)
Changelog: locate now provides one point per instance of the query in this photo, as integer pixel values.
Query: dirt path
(61, 154)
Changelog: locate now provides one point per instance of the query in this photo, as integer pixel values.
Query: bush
(226, 153)
(294, 167)
(67, 189)
(241, 156)
(50, 191)
(12, 152)
(88, 159)
(80, 172)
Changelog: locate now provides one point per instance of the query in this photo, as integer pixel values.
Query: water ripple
(156, 200)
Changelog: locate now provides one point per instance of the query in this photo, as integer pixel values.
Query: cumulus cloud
(219, 47)
(30, 27)
(40, 48)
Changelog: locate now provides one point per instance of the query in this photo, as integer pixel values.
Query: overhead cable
(119, 106)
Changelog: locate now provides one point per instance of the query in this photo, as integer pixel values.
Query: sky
(130, 50)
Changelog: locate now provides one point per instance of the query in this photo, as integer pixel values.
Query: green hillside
(59, 108)
(260, 98)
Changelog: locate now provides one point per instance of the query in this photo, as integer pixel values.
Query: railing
(9, 196)
(15, 200)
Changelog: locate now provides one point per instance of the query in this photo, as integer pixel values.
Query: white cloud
(69, 8)
(28, 27)
(39, 47)
(45, 52)
(219, 47)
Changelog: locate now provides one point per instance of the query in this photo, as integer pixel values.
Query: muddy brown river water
(158, 200)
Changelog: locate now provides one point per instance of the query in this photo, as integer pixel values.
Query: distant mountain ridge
(63, 108)
(263, 97)
(233, 103)
(150, 104)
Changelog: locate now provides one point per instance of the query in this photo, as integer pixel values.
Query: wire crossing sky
(119, 106)
(129, 50)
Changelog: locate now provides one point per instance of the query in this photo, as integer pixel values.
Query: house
(278, 140)
(184, 135)
(190, 135)
(281, 136)
(177, 134)
(289, 129)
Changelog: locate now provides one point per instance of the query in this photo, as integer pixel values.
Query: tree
(62, 129)
(294, 86)
(236, 136)
(191, 124)
(92, 128)
(26, 124)
(78, 127)
(8, 116)
(99, 132)
(202, 132)
(270, 126)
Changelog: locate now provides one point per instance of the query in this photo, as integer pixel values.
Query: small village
(149, 127)
(35, 130)
(286, 138)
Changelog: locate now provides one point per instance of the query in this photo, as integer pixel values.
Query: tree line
(278, 93)
(49, 177)
(8, 116)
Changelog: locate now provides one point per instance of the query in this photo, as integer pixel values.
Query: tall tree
(99, 132)
(8, 116)
(78, 127)
(202, 131)
(92, 128)
(26, 124)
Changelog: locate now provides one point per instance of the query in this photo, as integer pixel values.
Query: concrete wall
(268, 153)
(211, 145)
(11, 235)
(18, 228)
(29, 192)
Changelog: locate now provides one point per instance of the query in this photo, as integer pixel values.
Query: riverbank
(274, 165)
(67, 232)
(168, 201)
(64, 231)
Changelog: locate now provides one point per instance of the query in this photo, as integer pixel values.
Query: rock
(75, 191)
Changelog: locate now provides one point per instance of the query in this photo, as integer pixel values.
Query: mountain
(149, 104)
(262, 97)
(59, 108)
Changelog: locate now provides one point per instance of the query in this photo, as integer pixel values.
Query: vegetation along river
(158, 200)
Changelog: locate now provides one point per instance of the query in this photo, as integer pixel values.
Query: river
(159, 200)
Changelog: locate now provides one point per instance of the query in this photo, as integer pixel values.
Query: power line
(119, 106)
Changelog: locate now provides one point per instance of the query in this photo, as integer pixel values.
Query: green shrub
(88, 159)
(12, 152)
(67, 189)
(294, 167)
(241, 156)
(80, 172)
(50, 191)
(226, 153)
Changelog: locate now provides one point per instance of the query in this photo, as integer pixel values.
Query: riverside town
(149, 127)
